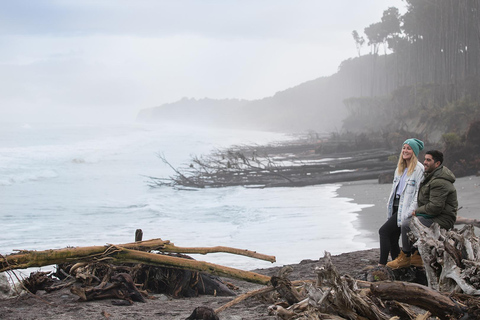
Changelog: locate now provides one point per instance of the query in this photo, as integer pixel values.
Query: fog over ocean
(78, 185)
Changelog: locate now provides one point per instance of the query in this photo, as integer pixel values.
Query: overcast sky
(105, 60)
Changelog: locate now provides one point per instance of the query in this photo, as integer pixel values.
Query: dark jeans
(389, 235)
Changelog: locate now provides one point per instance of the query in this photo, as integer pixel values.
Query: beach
(64, 305)
(370, 192)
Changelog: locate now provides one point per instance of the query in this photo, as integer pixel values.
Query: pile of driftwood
(293, 164)
(452, 264)
(129, 271)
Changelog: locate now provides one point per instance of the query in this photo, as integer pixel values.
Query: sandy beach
(64, 305)
(370, 192)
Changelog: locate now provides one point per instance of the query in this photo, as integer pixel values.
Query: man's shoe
(416, 260)
(402, 261)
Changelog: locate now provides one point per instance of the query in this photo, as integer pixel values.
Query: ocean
(80, 185)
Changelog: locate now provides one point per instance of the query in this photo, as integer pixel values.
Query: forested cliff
(421, 75)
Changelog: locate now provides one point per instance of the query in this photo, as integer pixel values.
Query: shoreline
(370, 192)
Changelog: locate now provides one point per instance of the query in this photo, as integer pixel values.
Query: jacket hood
(442, 173)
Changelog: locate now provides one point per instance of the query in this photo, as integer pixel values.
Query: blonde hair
(402, 164)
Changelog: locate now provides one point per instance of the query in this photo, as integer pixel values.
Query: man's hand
(413, 213)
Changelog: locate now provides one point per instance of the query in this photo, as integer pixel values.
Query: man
(437, 202)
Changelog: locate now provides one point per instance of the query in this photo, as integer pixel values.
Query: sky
(105, 60)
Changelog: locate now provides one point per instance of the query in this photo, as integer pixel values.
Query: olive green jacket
(437, 197)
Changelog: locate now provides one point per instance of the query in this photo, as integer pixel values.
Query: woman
(403, 198)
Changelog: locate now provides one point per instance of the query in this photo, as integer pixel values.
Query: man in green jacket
(437, 202)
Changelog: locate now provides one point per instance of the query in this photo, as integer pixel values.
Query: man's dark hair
(436, 155)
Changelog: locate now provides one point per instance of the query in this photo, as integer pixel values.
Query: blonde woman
(402, 200)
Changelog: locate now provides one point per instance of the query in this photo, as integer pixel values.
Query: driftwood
(339, 297)
(332, 297)
(451, 258)
(284, 286)
(463, 220)
(420, 296)
(121, 287)
(27, 259)
(123, 254)
(275, 166)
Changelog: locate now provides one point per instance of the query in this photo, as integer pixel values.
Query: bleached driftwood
(129, 253)
(332, 297)
(450, 257)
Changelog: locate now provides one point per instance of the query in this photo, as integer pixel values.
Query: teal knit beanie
(415, 144)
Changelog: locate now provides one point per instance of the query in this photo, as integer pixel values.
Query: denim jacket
(408, 197)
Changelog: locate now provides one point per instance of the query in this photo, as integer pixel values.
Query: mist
(104, 62)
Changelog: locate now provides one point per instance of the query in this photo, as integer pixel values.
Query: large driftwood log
(122, 254)
(26, 259)
(418, 295)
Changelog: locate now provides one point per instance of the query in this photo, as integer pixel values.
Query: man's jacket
(437, 198)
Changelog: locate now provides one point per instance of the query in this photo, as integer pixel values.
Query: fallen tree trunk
(121, 254)
(463, 220)
(418, 295)
(26, 259)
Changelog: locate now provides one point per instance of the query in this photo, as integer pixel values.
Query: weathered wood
(271, 167)
(138, 235)
(284, 286)
(254, 293)
(123, 255)
(344, 296)
(204, 250)
(463, 220)
(442, 252)
(121, 287)
(418, 295)
(26, 259)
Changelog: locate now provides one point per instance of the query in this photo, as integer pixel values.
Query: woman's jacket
(408, 196)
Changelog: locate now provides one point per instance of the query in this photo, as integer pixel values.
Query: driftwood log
(133, 253)
(417, 295)
(26, 259)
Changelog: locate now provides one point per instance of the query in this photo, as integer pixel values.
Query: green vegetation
(429, 86)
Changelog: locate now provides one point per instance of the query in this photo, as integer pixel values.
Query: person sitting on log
(403, 198)
(437, 202)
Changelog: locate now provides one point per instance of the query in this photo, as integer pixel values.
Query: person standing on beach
(402, 201)
(437, 202)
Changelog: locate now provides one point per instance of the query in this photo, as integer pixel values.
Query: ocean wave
(28, 177)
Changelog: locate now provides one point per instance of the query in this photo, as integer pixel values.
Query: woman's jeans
(389, 235)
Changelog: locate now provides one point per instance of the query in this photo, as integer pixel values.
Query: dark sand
(64, 305)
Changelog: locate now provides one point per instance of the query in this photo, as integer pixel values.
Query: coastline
(62, 304)
(370, 192)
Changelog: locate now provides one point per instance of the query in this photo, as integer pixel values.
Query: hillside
(428, 86)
